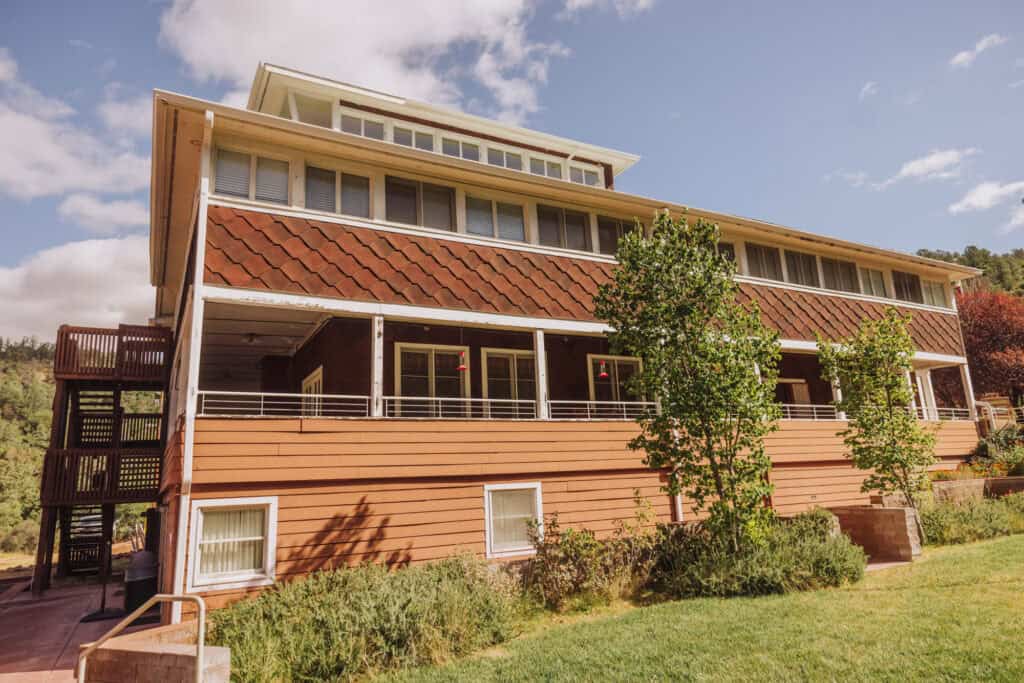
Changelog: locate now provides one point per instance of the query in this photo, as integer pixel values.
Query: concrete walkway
(39, 639)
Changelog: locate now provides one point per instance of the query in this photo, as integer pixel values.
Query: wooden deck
(130, 353)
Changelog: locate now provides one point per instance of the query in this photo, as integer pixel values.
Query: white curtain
(511, 510)
(232, 541)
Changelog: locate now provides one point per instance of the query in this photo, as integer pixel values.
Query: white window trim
(264, 578)
(400, 346)
(442, 135)
(340, 169)
(572, 163)
(434, 133)
(547, 158)
(253, 153)
(524, 156)
(313, 407)
(591, 227)
(356, 113)
(591, 357)
(488, 533)
(784, 251)
(494, 198)
(495, 351)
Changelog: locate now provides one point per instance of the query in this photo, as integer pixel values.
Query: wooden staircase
(99, 456)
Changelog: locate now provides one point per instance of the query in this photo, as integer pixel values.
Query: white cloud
(939, 164)
(95, 282)
(1016, 221)
(965, 58)
(986, 195)
(404, 47)
(624, 8)
(870, 88)
(132, 116)
(1017, 84)
(103, 217)
(44, 153)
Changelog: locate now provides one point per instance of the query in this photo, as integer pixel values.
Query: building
(381, 342)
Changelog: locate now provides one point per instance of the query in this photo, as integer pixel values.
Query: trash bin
(140, 579)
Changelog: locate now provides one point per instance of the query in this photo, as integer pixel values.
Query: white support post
(837, 396)
(965, 378)
(540, 365)
(192, 382)
(913, 400)
(927, 391)
(377, 367)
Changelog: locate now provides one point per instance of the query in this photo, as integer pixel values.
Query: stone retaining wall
(887, 534)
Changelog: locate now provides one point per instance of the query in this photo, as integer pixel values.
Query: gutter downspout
(192, 385)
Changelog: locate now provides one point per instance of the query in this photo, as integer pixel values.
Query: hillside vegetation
(1004, 272)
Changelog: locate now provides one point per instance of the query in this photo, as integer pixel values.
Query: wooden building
(384, 341)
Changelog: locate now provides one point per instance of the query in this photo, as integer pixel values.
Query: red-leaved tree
(993, 326)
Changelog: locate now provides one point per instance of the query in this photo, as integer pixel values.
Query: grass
(952, 615)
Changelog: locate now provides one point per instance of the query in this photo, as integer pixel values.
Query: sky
(894, 124)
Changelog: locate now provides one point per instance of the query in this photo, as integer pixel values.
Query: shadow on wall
(348, 540)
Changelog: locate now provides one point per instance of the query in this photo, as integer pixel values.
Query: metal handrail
(276, 404)
(599, 410)
(123, 624)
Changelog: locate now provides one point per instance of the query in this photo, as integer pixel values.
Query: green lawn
(956, 614)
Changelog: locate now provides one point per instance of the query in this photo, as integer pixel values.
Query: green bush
(1014, 504)
(573, 569)
(965, 521)
(21, 538)
(347, 623)
(801, 553)
(1001, 452)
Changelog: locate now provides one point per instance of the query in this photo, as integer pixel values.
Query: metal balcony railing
(255, 404)
(599, 410)
(459, 408)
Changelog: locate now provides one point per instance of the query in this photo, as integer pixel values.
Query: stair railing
(124, 623)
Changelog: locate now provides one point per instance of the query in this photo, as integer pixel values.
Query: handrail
(123, 624)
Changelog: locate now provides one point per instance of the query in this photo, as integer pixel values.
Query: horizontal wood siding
(409, 491)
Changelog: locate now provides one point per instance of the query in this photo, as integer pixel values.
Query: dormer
(367, 113)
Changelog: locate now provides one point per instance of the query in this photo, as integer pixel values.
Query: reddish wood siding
(406, 491)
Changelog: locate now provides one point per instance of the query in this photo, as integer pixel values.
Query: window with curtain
(232, 543)
(840, 275)
(802, 268)
(934, 293)
(907, 287)
(495, 219)
(563, 228)
(873, 282)
(510, 511)
(417, 203)
(610, 231)
(763, 261)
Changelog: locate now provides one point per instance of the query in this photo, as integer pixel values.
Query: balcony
(73, 476)
(130, 353)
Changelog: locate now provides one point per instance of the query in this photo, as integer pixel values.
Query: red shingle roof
(256, 250)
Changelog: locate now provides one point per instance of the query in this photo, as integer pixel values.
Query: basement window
(233, 542)
(509, 510)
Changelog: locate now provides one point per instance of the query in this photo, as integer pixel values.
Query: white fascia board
(400, 311)
(804, 346)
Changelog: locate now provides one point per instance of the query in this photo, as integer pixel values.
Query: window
(499, 157)
(509, 374)
(551, 169)
(802, 268)
(413, 138)
(457, 148)
(727, 250)
(509, 509)
(907, 287)
(312, 110)
(609, 377)
(357, 125)
(403, 136)
(840, 275)
(873, 282)
(235, 176)
(323, 193)
(431, 372)
(495, 219)
(416, 203)
(563, 228)
(934, 293)
(610, 231)
(764, 261)
(232, 174)
(233, 542)
(312, 391)
(584, 176)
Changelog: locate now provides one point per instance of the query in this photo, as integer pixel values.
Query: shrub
(800, 553)
(346, 623)
(965, 521)
(572, 568)
(1014, 504)
(21, 538)
(1001, 452)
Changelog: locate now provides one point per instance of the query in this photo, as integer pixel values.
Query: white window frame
(785, 251)
(339, 169)
(253, 154)
(547, 158)
(584, 167)
(489, 532)
(313, 407)
(943, 294)
(591, 224)
(516, 354)
(462, 140)
(631, 222)
(416, 128)
(356, 113)
(524, 157)
(591, 357)
(400, 346)
(494, 199)
(265, 577)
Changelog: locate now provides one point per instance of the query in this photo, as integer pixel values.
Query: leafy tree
(883, 435)
(1004, 272)
(993, 327)
(672, 303)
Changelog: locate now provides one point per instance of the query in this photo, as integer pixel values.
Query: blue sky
(899, 126)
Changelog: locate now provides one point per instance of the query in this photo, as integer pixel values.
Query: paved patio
(39, 638)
